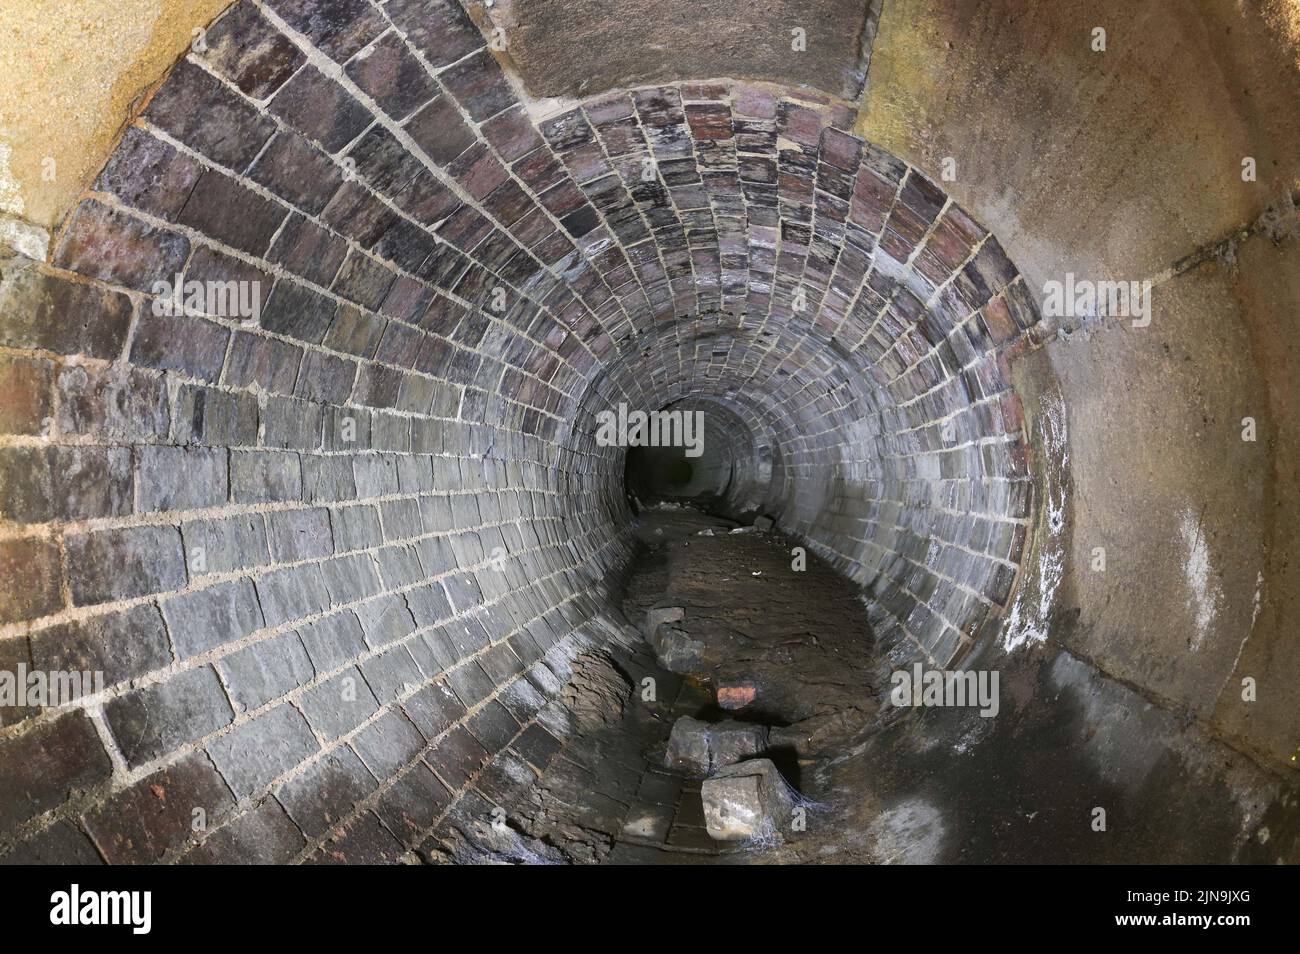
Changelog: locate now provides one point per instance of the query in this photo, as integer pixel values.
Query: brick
(156, 720)
(327, 479)
(493, 726)
(391, 673)
(208, 416)
(457, 757)
(479, 86)
(224, 544)
(208, 618)
(48, 313)
(244, 48)
(115, 247)
(440, 132)
(294, 424)
(148, 174)
(351, 578)
(390, 75)
(440, 29)
(333, 641)
(261, 836)
(180, 478)
(265, 671)
(60, 844)
(193, 346)
(320, 109)
(113, 403)
(432, 709)
(109, 565)
(386, 620)
(26, 390)
(250, 756)
(268, 363)
(388, 743)
(40, 484)
(364, 280)
(209, 118)
(327, 792)
(297, 312)
(307, 250)
(325, 378)
(145, 822)
(364, 842)
(45, 764)
(355, 528)
(232, 213)
(265, 476)
(292, 594)
(339, 705)
(122, 645)
(339, 28)
(413, 804)
(30, 568)
(297, 172)
(299, 534)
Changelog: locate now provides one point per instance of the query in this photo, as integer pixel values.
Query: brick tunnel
(310, 315)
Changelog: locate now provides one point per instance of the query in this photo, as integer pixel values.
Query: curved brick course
(335, 559)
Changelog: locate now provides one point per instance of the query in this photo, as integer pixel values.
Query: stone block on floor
(748, 801)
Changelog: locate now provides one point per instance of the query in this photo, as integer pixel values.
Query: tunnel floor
(761, 643)
(786, 650)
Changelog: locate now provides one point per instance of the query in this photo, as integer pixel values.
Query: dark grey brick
(350, 578)
(387, 744)
(265, 476)
(412, 804)
(180, 478)
(121, 645)
(153, 721)
(206, 619)
(292, 594)
(355, 528)
(339, 705)
(333, 641)
(391, 673)
(266, 670)
(224, 544)
(262, 836)
(250, 756)
(297, 535)
(109, 565)
(386, 620)
(327, 791)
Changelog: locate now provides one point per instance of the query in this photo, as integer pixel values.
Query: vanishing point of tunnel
(849, 431)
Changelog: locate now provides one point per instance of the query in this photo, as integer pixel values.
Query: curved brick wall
(335, 559)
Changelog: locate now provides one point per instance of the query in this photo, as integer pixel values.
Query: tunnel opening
(364, 572)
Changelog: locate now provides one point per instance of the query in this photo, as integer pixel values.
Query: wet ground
(1074, 767)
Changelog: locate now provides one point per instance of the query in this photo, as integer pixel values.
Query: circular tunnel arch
(819, 288)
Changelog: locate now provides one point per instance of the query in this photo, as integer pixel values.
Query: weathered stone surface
(155, 720)
(44, 764)
(748, 801)
(677, 650)
(156, 815)
(108, 565)
(700, 748)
